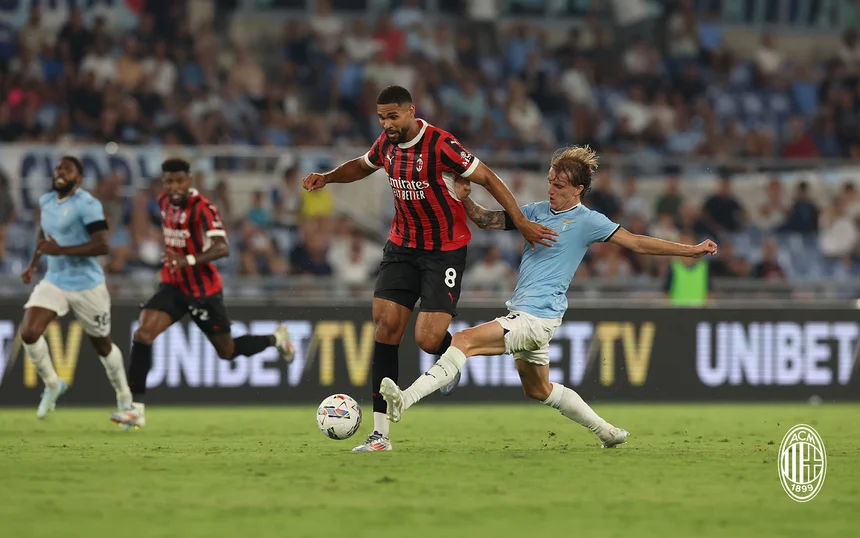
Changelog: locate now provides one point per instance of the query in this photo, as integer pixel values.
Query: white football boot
(375, 442)
(49, 398)
(284, 344)
(393, 396)
(618, 436)
(133, 418)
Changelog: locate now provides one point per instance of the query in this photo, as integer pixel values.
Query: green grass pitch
(456, 471)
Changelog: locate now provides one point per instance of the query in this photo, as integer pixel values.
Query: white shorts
(527, 337)
(91, 307)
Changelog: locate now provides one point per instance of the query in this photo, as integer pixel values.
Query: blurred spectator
(258, 254)
(634, 203)
(727, 264)
(309, 256)
(602, 197)
(803, 215)
(769, 267)
(689, 281)
(773, 212)
(129, 67)
(352, 257)
(257, 214)
(491, 272)
(665, 228)
(610, 263)
(722, 210)
(768, 58)
(799, 144)
(288, 198)
(100, 64)
(326, 26)
(33, 34)
(838, 235)
(408, 14)
(669, 203)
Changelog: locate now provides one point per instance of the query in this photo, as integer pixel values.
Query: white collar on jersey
(415, 140)
(551, 210)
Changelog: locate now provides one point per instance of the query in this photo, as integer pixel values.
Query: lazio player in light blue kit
(539, 300)
(73, 233)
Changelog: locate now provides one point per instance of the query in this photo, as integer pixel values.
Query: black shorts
(209, 313)
(435, 276)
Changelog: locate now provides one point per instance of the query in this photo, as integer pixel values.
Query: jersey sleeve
(600, 228)
(455, 158)
(211, 220)
(93, 215)
(373, 158)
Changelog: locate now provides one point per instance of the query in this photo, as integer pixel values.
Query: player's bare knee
(30, 334)
(428, 341)
(102, 345)
(387, 328)
(144, 335)
(225, 353)
(537, 391)
(462, 341)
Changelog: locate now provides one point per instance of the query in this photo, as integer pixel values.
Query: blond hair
(578, 163)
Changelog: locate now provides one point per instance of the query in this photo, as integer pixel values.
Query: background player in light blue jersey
(73, 233)
(539, 300)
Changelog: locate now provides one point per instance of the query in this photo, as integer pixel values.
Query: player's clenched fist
(705, 247)
(27, 275)
(314, 181)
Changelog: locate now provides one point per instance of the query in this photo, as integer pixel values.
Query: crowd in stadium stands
(682, 93)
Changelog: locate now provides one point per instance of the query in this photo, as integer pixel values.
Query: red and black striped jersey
(427, 213)
(188, 229)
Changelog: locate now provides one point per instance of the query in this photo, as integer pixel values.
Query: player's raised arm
(532, 231)
(354, 170)
(644, 244)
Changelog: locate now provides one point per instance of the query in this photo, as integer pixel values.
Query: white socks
(40, 356)
(571, 405)
(380, 423)
(115, 370)
(442, 373)
(41, 359)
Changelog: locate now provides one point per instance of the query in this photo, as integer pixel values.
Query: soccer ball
(339, 416)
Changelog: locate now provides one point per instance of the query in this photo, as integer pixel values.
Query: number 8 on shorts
(450, 277)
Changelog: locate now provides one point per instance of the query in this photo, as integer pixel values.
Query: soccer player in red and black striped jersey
(194, 237)
(425, 255)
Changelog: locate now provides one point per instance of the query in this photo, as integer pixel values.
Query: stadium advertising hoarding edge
(606, 355)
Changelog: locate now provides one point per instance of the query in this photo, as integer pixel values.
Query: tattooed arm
(486, 219)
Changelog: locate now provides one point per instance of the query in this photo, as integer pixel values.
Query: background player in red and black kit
(425, 255)
(193, 238)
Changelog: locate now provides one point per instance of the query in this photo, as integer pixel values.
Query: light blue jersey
(69, 222)
(545, 273)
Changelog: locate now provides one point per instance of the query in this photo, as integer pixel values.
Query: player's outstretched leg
(152, 323)
(536, 385)
(36, 320)
(228, 348)
(486, 339)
